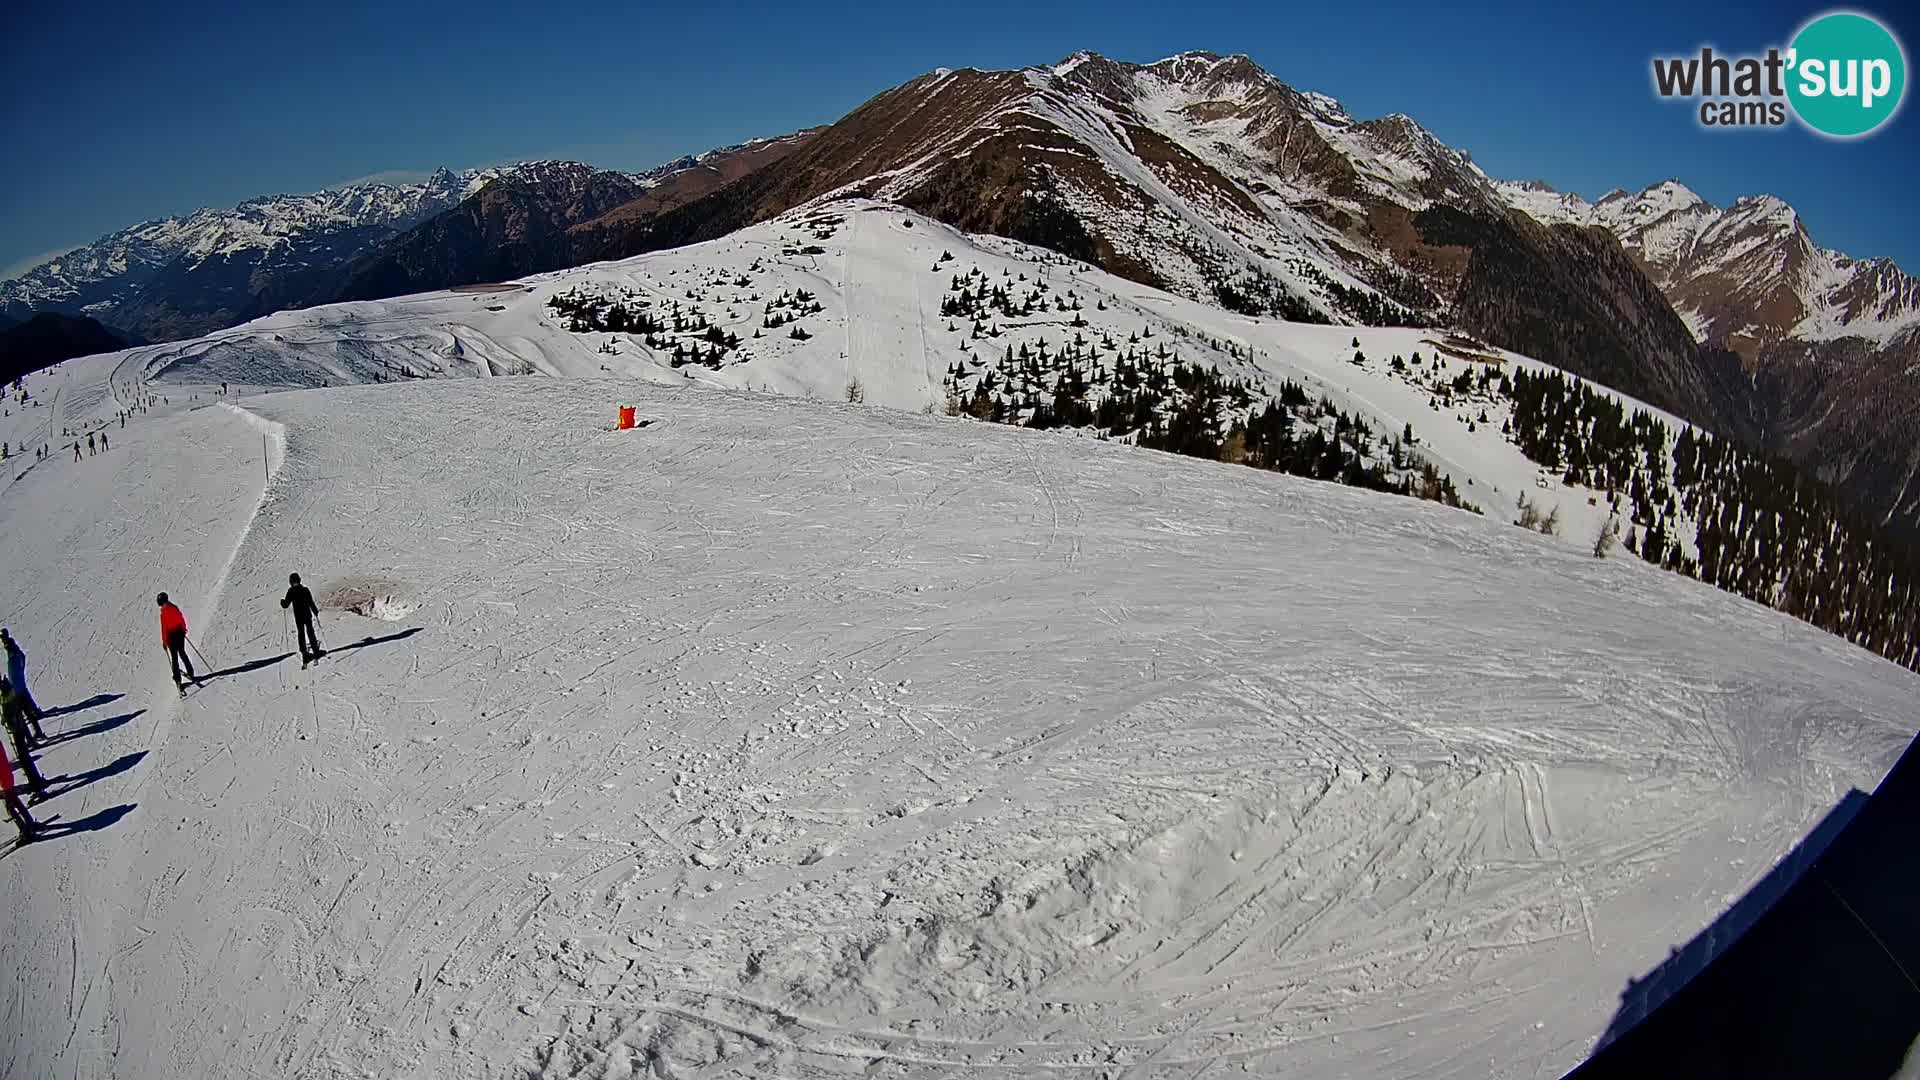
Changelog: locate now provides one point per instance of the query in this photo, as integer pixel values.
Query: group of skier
(23, 717)
(90, 445)
(24, 734)
(173, 632)
(100, 446)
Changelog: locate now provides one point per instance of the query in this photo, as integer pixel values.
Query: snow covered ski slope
(852, 291)
(805, 739)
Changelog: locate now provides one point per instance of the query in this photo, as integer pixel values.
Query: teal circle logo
(1847, 76)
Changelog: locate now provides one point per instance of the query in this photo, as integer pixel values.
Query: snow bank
(274, 435)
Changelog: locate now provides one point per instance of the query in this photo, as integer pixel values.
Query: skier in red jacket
(16, 723)
(173, 636)
(16, 810)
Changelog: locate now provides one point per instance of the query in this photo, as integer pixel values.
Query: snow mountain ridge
(262, 223)
(1205, 175)
(1254, 177)
(1197, 171)
(855, 291)
(1747, 274)
(1827, 346)
(1208, 176)
(159, 275)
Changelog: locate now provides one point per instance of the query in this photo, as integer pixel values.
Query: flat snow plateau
(787, 738)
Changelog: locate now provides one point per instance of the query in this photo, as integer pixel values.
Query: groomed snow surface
(792, 738)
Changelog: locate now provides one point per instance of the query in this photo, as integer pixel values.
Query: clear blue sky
(116, 112)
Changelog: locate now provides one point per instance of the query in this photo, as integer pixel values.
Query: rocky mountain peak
(1671, 193)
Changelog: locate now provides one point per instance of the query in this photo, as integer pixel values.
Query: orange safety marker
(626, 417)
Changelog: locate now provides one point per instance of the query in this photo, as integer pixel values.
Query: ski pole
(198, 653)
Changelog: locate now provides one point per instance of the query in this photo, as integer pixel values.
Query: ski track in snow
(142, 507)
(804, 739)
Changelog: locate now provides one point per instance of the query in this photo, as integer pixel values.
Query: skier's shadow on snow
(63, 785)
(52, 828)
(93, 702)
(95, 728)
(364, 642)
(242, 669)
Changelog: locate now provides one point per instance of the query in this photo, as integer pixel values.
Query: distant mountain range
(182, 276)
(185, 276)
(538, 218)
(1202, 174)
(1828, 346)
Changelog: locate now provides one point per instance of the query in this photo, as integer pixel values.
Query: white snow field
(790, 738)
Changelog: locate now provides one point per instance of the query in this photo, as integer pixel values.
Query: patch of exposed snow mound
(370, 598)
(387, 609)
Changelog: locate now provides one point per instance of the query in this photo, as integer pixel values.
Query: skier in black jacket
(304, 613)
(17, 675)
